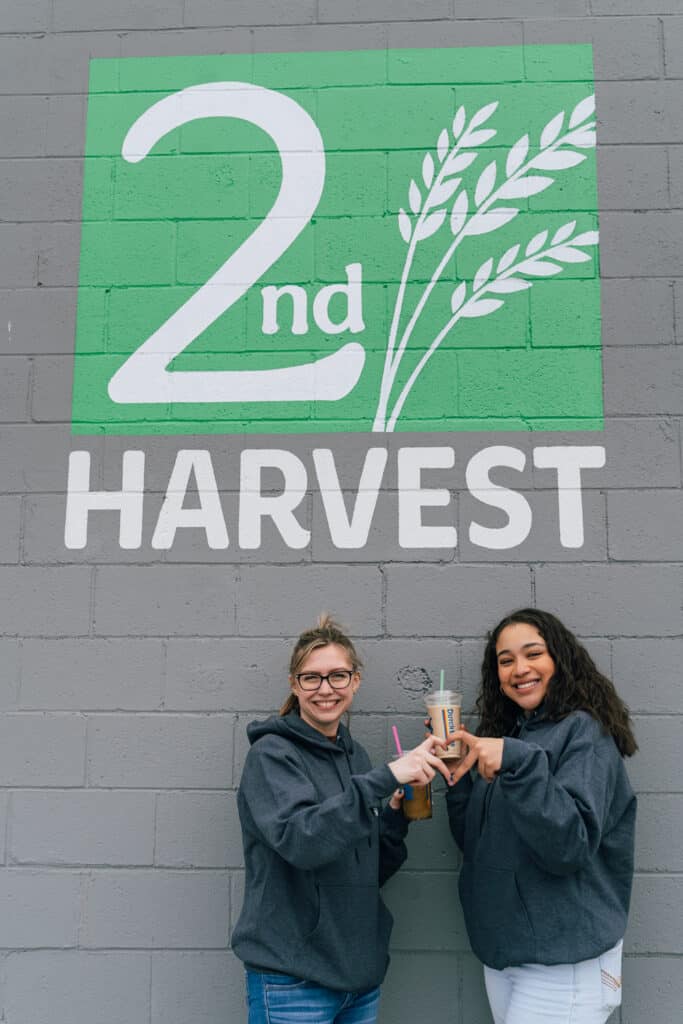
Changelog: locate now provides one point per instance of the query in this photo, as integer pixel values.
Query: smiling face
(525, 666)
(323, 708)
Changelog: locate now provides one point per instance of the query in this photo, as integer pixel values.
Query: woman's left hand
(484, 751)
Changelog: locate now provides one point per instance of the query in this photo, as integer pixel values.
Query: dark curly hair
(577, 685)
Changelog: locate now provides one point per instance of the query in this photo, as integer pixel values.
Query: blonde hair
(325, 632)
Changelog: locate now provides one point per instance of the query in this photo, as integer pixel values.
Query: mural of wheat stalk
(559, 149)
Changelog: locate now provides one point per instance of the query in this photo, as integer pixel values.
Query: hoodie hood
(293, 727)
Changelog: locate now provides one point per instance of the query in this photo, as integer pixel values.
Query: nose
(521, 666)
(326, 685)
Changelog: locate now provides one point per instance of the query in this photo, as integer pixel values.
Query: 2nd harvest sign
(368, 241)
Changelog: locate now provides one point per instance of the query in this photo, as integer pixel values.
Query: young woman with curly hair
(546, 826)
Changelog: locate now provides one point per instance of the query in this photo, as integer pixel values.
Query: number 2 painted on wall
(145, 377)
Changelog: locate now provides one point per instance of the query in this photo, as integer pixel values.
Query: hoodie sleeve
(457, 799)
(284, 808)
(393, 828)
(560, 815)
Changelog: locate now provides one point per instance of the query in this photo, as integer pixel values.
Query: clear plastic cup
(443, 708)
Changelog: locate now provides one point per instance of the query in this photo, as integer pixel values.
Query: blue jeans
(583, 993)
(283, 999)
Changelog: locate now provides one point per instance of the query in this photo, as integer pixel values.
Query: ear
(355, 682)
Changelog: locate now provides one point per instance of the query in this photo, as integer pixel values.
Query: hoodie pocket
(497, 920)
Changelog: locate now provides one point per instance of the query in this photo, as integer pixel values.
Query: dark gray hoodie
(548, 845)
(317, 847)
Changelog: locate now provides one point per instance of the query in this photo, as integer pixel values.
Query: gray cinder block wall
(128, 675)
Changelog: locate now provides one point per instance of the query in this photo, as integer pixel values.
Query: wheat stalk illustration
(558, 150)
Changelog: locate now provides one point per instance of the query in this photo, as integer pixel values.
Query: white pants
(583, 993)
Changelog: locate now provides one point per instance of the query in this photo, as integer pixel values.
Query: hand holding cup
(420, 765)
(486, 752)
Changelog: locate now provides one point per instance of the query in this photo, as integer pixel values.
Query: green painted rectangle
(374, 240)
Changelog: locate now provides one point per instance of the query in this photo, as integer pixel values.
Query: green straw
(441, 682)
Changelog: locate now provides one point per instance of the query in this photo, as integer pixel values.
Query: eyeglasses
(339, 679)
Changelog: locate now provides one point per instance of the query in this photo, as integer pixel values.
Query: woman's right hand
(418, 766)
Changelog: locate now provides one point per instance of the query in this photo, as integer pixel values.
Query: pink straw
(397, 741)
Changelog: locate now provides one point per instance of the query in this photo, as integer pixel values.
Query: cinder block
(4, 800)
(649, 381)
(10, 526)
(65, 134)
(645, 526)
(10, 658)
(18, 253)
(653, 989)
(383, 10)
(42, 750)
(39, 909)
(35, 190)
(156, 910)
(635, 7)
(285, 601)
(633, 244)
(306, 38)
(59, 247)
(206, 988)
(676, 173)
(499, 31)
(443, 928)
(165, 600)
(248, 12)
(655, 768)
(75, 987)
(163, 751)
(51, 389)
(76, 827)
(38, 320)
(397, 673)
(619, 52)
(543, 542)
(637, 311)
(475, 1005)
(655, 918)
(639, 452)
(45, 524)
(232, 674)
(71, 16)
(448, 600)
(28, 16)
(23, 120)
(413, 979)
(44, 602)
(162, 43)
(673, 43)
(14, 378)
(659, 833)
(199, 830)
(646, 673)
(382, 544)
(431, 846)
(639, 113)
(99, 675)
(633, 177)
(236, 896)
(594, 600)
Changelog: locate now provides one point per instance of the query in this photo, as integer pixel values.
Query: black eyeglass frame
(337, 671)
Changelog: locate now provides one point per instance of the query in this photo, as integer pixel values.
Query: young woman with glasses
(318, 844)
(546, 826)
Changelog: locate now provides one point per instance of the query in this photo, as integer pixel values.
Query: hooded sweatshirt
(548, 845)
(317, 847)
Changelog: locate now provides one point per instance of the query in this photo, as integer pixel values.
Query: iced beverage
(443, 708)
(417, 802)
